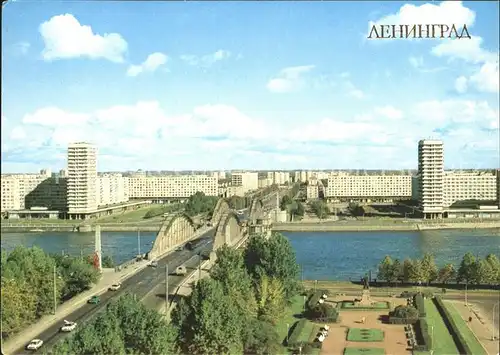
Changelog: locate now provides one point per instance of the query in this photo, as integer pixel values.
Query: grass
(442, 341)
(364, 351)
(464, 329)
(365, 335)
(351, 306)
(131, 216)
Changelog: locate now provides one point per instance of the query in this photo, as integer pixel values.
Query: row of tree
(472, 270)
(200, 203)
(293, 207)
(28, 276)
(320, 208)
(234, 311)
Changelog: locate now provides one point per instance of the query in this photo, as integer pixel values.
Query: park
(413, 322)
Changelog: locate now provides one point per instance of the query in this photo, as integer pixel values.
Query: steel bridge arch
(220, 208)
(223, 235)
(176, 229)
(256, 208)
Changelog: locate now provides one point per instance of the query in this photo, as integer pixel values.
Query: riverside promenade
(381, 225)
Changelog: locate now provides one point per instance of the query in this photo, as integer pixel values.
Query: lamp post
(493, 330)
(166, 289)
(466, 282)
(287, 333)
(55, 289)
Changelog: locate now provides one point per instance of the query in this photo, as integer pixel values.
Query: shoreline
(371, 227)
(277, 227)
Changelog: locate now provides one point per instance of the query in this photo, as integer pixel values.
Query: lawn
(351, 306)
(365, 335)
(364, 351)
(131, 216)
(292, 315)
(442, 341)
(464, 329)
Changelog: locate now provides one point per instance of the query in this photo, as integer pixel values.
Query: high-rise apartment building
(82, 180)
(431, 177)
(247, 181)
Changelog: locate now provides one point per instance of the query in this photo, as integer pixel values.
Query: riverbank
(357, 226)
(105, 227)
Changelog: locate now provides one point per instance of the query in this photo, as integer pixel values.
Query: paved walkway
(481, 326)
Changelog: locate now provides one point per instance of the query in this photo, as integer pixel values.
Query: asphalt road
(139, 284)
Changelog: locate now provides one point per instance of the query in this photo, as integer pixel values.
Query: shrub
(424, 341)
(323, 312)
(298, 327)
(418, 300)
(403, 315)
(314, 298)
(457, 336)
(307, 349)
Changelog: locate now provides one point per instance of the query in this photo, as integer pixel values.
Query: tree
(320, 208)
(465, 271)
(285, 201)
(406, 312)
(126, 326)
(275, 258)
(199, 203)
(412, 270)
(446, 273)
(494, 264)
(386, 270)
(261, 338)
(18, 306)
(428, 268)
(355, 209)
(271, 301)
(398, 270)
(212, 324)
(108, 262)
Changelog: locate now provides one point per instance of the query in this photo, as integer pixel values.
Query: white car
(115, 287)
(35, 344)
(154, 263)
(68, 326)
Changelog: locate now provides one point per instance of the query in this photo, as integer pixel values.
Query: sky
(246, 85)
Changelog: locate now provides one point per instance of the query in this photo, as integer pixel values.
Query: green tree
(270, 299)
(285, 201)
(199, 203)
(108, 262)
(18, 306)
(261, 338)
(275, 258)
(494, 264)
(355, 209)
(429, 268)
(212, 324)
(398, 270)
(320, 208)
(446, 273)
(465, 271)
(413, 271)
(386, 270)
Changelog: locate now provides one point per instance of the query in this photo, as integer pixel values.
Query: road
(139, 284)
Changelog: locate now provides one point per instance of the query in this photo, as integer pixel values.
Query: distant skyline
(246, 85)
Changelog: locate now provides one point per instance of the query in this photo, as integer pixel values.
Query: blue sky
(253, 85)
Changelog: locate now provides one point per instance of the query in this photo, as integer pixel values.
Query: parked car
(94, 300)
(35, 344)
(154, 263)
(68, 326)
(181, 270)
(115, 287)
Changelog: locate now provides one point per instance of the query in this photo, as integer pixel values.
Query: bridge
(228, 225)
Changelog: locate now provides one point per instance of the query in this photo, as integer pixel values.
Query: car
(115, 287)
(68, 326)
(154, 263)
(94, 300)
(35, 344)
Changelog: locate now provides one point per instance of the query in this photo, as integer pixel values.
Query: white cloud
(487, 78)
(416, 62)
(289, 79)
(219, 136)
(461, 84)
(390, 112)
(447, 12)
(151, 64)
(64, 37)
(353, 91)
(206, 60)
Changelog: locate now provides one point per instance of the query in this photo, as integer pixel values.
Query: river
(322, 255)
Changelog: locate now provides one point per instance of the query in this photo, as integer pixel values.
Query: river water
(322, 255)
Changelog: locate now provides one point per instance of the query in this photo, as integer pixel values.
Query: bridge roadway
(141, 284)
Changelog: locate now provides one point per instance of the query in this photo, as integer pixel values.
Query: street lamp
(466, 282)
(493, 330)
